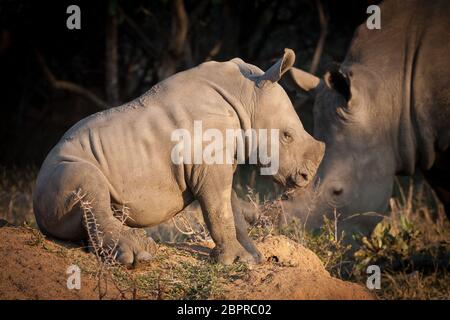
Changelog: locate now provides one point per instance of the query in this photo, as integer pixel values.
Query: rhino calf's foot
(242, 235)
(251, 248)
(135, 246)
(232, 253)
(131, 245)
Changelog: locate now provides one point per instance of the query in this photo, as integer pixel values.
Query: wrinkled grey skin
(384, 111)
(122, 156)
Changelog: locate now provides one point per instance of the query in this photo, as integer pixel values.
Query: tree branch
(111, 56)
(145, 42)
(323, 19)
(69, 86)
(180, 26)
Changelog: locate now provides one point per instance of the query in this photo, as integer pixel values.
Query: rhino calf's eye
(287, 137)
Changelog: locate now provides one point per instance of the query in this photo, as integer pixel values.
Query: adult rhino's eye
(287, 137)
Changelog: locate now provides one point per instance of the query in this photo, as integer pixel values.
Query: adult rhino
(124, 156)
(384, 111)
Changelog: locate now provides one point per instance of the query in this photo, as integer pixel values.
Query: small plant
(192, 227)
(329, 246)
(107, 266)
(387, 245)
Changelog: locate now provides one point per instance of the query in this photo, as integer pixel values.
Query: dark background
(51, 77)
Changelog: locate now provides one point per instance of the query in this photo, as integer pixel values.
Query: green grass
(175, 274)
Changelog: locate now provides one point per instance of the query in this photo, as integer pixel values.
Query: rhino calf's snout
(311, 162)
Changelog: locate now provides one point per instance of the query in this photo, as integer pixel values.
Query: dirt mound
(294, 272)
(33, 267)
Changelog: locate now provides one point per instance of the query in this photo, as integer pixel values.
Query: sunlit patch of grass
(179, 275)
(204, 280)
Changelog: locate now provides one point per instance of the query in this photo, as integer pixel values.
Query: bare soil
(33, 267)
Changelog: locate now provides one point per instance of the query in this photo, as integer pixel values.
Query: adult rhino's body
(123, 157)
(384, 111)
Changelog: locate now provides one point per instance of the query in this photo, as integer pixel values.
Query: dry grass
(411, 244)
(16, 189)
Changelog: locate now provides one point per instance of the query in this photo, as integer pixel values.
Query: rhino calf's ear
(338, 81)
(275, 72)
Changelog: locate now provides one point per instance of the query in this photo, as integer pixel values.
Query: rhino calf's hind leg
(79, 191)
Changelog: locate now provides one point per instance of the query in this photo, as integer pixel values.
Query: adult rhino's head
(299, 153)
(360, 162)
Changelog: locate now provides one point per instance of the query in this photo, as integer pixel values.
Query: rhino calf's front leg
(215, 201)
(220, 222)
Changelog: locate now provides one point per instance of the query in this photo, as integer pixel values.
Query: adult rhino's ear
(337, 80)
(275, 72)
(299, 79)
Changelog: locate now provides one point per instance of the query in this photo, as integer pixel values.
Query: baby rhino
(124, 157)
